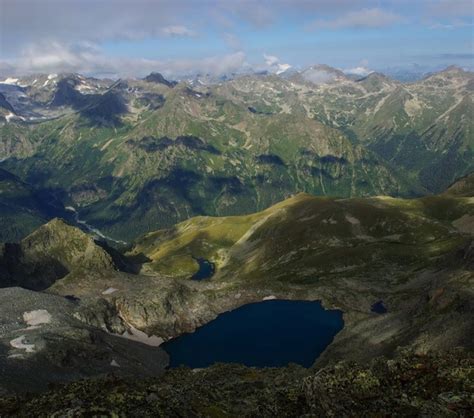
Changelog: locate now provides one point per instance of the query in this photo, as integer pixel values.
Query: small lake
(206, 269)
(271, 333)
(379, 307)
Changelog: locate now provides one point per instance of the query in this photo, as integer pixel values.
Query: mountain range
(132, 156)
(306, 186)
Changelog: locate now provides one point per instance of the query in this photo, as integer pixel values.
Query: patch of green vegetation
(307, 238)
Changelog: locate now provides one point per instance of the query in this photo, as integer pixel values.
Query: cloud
(274, 65)
(459, 8)
(361, 71)
(25, 21)
(88, 58)
(57, 27)
(177, 30)
(450, 25)
(270, 60)
(232, 41)
(365, 18)
(258, 13)
(455, 56)
(318, 75)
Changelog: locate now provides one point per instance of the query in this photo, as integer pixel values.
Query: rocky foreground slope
(409, 385)
(414, 255)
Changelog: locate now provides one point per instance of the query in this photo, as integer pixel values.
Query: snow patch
(10, 80)
(20, 343)
(36, 318)
(141, 337)
(109, 291)
(9, 117)
(114, 363)
(271, 297)
(16, 355)
(352, 220)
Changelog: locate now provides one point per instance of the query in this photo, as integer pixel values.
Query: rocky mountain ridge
(252, 141)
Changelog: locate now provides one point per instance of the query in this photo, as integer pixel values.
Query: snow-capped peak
(10, 80)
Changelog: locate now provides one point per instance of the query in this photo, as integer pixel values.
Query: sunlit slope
(307, 238)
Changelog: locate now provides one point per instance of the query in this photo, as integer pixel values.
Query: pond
(271, 333)
(206, 269)
(379, 307)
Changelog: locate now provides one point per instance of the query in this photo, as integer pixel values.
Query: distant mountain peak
(376, 81)
(322, 74)
(326, 68)
(452, 69)
(158, 78)
(377, 76)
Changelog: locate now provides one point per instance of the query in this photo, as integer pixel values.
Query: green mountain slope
(196, 155)
(23, 208)
(135, 155)
(415, 255)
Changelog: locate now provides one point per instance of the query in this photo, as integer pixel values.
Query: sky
(120, 38)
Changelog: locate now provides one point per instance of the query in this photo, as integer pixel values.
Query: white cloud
(450, 25)
(365, 18)
(88, 59)
(177, 30)
(270, 60)
(445, 8)
(273, 64)
(318, 75)
(361, 71)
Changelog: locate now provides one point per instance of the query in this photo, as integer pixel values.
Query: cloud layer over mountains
(124, 36)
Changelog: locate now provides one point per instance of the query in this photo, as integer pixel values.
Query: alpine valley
(132, 156)
(136, 212)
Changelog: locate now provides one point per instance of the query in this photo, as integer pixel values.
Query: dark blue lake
(206, 269)
(379, 307)
(265, 334)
